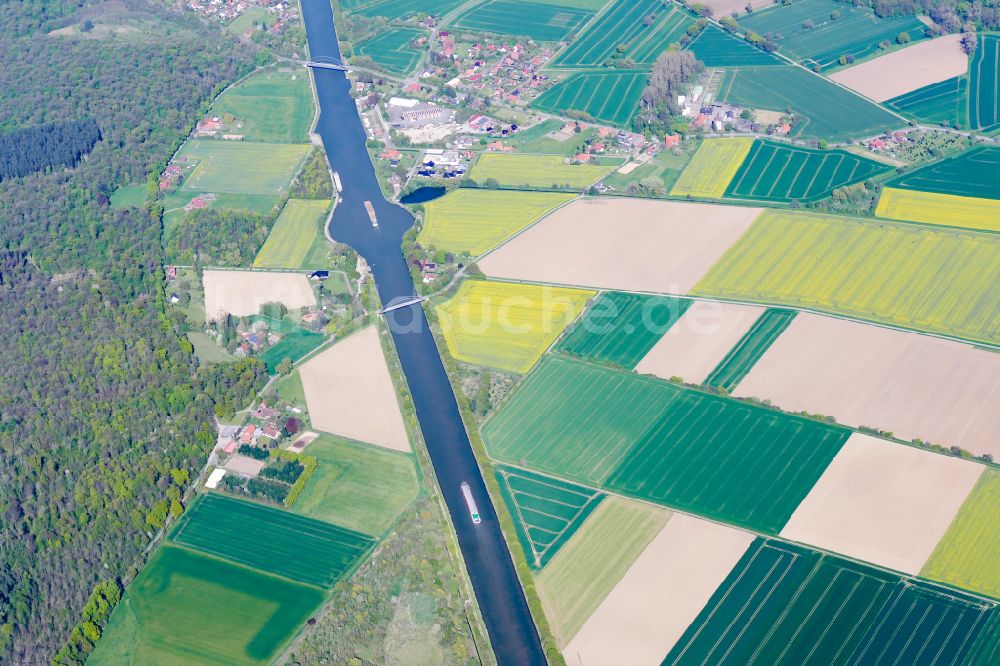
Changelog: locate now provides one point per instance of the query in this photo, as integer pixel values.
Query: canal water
(508, 620)
(423, 194)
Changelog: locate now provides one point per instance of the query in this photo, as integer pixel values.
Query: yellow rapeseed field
(712, 167)
(293, 234)
(473, 221)
(535, 171)
(945, 209)
(923, 278)
(507, 326)
(967, 554)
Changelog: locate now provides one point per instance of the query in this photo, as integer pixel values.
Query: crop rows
(542, 22)
(621, 328)
(790, 605)
(660, 442)
(546, 511)
(607, 96)
(782, 173)
(751, 347)
(271, 540)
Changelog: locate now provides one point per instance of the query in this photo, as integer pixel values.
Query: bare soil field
(701, 338)
(662, 593)
(913, 385)
(350, 393)
(884, 503)
(241, 293)
(926, 62)
(244, 465)
(302, 441)
(721, 8)
(628, 244)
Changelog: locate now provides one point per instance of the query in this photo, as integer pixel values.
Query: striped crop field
(624, 24)
(984, 85)
(541, 22)
(271, 540)
(857, 32)
(944, 209)
(392, 50)
(718, 48)
(942, 102)
(712, 167)
(472, 221)
(505, 325)
(621, 328)
(922, 278)
(606, 96)
(973, 173)
(293, 237)
(751, 347)
(783, 173)
(967, 555)
(546, 511)
(401, 9)
(535, 171)
(660, 442)
(824, 109)
(783, 604)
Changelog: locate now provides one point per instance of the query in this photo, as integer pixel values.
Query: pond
(424, 194)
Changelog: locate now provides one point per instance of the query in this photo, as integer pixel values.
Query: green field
(969, 553)
(296, 241)
(923, 278)
(621, 328)
(623, 24)
(740, 360)
(607, 96)
(271, 540)
(546, 511)
(984, 85)
(718, 48)
(133, 195)
(784, 173)
(856, 33)
(358, 486)
(577, 579)
(535, 171)
(294, 345)
(826, 110)
(206, 349)
(506, 325)
(660, 442)
(974, 173)
(188, 608)
(237, 167)
(391, 49)
(273, 106)
(400, 9)
(943, 102)
(541, 22)
(473, 221)
(783, 604)
(251, 17)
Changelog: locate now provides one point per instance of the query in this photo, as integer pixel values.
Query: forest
(104, 414)
(31, 149)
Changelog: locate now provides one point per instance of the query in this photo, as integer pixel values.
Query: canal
(508, 620)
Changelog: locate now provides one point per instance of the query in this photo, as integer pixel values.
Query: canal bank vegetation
(412, 601)
(471, 421)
